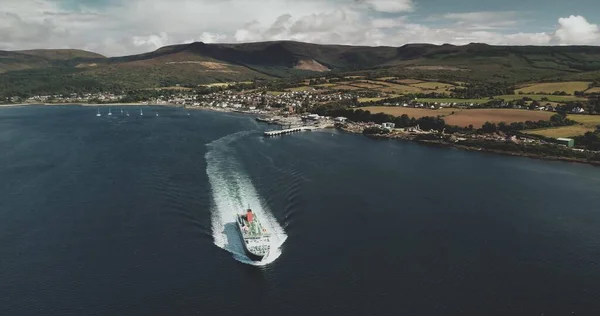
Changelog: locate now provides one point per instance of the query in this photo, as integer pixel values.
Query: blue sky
(118, 27)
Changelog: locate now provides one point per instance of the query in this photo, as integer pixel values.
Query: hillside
(198, 63)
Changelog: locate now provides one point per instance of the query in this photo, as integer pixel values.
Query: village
(292, 109)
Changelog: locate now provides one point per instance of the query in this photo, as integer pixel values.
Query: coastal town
(293, 110)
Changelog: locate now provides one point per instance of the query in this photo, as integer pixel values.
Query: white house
(388, 125)
(340, 119)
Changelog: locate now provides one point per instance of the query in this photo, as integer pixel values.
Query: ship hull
(252, 256)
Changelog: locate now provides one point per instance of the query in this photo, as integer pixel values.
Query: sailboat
(127, 113)
(156, 113)
(109, 112)
(121, 111)
(98, 114)
(141, 112)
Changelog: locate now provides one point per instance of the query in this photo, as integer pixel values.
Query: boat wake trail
(233, 192)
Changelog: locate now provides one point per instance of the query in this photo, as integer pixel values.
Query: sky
(124, 27)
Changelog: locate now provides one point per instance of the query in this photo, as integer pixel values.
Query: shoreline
(77, 104)
(438, 143)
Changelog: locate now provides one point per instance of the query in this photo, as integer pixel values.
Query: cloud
(121, 27)
(483, 20)
(393, 6)
(576, 29)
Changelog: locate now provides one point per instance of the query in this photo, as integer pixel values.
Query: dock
(289, 130)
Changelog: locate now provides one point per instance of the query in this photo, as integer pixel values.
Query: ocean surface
(132, 215)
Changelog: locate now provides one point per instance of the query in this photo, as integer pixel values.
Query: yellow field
(412, 112)
(588, 124)
(366, 85)
(219, 84)
(400, 89)
(362, 100)
(477, 117)
(549, 87)
(432, 85)
(171, 88)
(593, 90)
(298, 89)
(409, 81)
(344, 87)
(563, 131)
(225, 84)
(538, 97)
(275, 92)
(591, 120)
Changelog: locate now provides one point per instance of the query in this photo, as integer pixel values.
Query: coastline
(438, 143)
(509, 153)
(77, 104)
(441, 143)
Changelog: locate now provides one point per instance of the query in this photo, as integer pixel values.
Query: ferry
(255, 238)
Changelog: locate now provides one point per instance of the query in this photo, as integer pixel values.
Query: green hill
(45, 71)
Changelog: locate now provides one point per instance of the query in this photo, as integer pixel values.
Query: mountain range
(46, 71)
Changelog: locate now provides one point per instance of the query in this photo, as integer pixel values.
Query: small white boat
(109, 112)
(98, 114)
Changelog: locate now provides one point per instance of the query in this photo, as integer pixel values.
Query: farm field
(432, 85)
(409, 81)
(477, 117)
(563, 131)
(170, 88)
(549, 87)
(590, 120)
(593, 90)
(434, 100)
(538, 97)
(299, 89)
(412, 112)
(363, 100)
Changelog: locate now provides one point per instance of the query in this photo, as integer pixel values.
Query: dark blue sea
(132, 215)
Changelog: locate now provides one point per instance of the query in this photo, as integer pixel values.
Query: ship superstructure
(255, 237)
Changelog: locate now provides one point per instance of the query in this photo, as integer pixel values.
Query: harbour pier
(289, 130)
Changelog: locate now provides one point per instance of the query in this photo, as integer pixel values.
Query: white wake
(233, 192)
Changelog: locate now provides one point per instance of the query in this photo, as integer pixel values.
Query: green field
(589, 123)
(449, 100)
(591, 120)
(538, 97)
(549, 87)
(301, 88)
(593, 90)
(412, 112)
(363, 100)
(563, 131)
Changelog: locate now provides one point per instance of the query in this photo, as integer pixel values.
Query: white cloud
(391, 5)
(576, 29)
(135, 26)
(483, 20)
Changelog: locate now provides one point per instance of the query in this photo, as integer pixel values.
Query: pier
(290, 130)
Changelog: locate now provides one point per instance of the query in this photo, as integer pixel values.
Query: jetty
(290, 130)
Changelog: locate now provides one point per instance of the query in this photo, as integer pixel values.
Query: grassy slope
(549, 87)
(278, 59)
